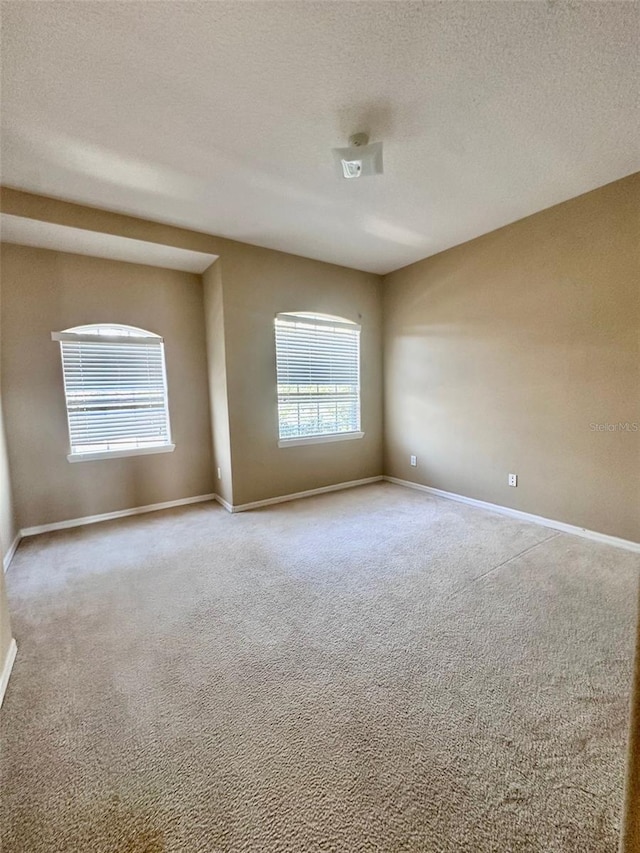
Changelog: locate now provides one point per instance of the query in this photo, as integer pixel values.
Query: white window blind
(318, 371)
(116, 391)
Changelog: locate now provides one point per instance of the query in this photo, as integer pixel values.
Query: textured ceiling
(221, 116)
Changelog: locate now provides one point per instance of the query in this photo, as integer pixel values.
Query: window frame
(327, 320)
(133, 335)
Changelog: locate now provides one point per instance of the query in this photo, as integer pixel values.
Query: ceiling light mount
(361, 159)
(357, 140)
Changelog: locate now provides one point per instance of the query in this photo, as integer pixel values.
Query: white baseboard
(627, 544)
(222, 502)
(502, 510)
(11, 550)
(350, 484)
(109, 516)
(7, 667)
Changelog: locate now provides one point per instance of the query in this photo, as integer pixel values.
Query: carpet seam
(503, 563)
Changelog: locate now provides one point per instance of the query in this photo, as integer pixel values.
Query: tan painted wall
(500, 354)
(217, 368)
(45, 209)
(8, 527)
(44, 291)
(248, 286)
(7, 522)
(258, 284)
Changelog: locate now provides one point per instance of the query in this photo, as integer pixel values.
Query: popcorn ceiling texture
(221, 116)
(372, 670)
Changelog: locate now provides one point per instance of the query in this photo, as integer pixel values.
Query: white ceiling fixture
(220, 116)
(360, 159)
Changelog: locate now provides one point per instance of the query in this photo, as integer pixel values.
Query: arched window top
(315, 319)
(110, 330)
(108, 333)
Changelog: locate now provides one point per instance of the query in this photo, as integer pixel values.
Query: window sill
(319, 439)
(116, 454)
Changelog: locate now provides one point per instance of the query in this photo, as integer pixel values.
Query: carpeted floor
(369, 670)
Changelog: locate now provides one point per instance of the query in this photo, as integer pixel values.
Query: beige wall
(7, 535)
(257, 285)
(44, 291)
(217, 367)
(42, 208)
(7, 523)
(8, 527)
(500, 354)
(242, 293)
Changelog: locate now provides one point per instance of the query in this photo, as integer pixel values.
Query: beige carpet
(371, 670)
(630, 833)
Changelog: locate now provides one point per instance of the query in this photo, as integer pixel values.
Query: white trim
(11, 550)
(502, 510)
(350, 484)
(319, 439)
(12, 651)
(222, 502)
(86, 338)
(573, 529)
(118, 454)
(109, 516)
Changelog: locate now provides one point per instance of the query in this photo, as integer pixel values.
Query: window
(318, 368)
(115, 387)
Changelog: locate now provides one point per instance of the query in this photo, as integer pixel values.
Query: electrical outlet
(219, 474)
(513, 480)
(413, 461)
